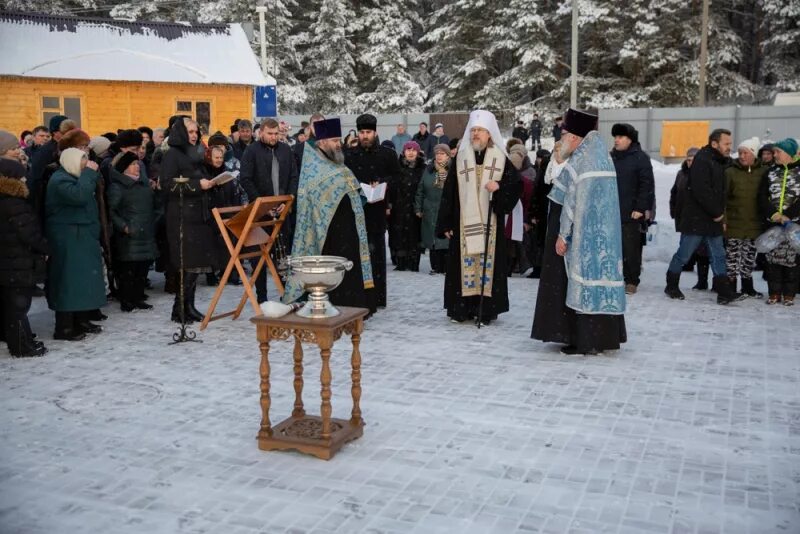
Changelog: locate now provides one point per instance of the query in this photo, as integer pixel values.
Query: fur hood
(13, 187)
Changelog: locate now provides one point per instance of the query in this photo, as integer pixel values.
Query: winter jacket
(431, 142)
(374, 164)
(742, 213)
(557, 132)
(22, 246)
(404, 223)
(421, 139)
(427, 200)
(256, 170)
(201, 248)
(520, 133)
(240, 146)
(133, 205)
(536, 128)
(635, 182)
(399, 140)
(781, 181)
(705, 194)
(72, 226)
(677, 194)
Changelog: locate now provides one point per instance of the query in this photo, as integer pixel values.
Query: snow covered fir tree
(410, 55)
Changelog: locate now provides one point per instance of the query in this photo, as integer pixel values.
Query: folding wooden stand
(247, 226)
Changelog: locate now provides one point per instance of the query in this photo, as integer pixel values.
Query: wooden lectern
(252, 225)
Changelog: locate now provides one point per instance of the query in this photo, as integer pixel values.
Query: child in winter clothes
(23, 252)
(780, 203)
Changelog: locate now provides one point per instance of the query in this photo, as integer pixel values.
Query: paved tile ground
(693, 428)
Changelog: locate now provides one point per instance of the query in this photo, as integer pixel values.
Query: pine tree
(389, 81)
(781, 33)
(328, 60)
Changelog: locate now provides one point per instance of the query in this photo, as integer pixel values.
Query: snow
(691, 427)
(106, 52)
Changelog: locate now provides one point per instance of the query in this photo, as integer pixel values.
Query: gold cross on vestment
(466, 171)
(492, 168)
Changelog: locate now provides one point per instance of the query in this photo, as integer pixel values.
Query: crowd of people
(84, 219)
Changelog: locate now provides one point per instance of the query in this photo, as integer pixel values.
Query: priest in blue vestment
(581, 297)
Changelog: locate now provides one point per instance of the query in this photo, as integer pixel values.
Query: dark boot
(749, 290)
(83, 324)
(702, 276)
(673, 290)
(725, 292)
(192, 311)
(171, 282)
(65, 327)
(180, 309)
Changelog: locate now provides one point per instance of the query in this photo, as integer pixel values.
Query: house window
(199, 110)
(61, 105)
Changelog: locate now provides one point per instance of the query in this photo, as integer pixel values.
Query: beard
(565, 151)
(366, 143)
(334, 154)
(479, 146)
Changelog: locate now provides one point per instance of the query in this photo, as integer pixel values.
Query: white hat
(751, 144)
(483, 119)
(71, 161)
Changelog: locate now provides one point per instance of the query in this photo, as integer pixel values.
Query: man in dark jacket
(374, 164)
(520, 132)
(437, 138)
(245, 138)
(536, 133)
(557, 128)
(636, 188)
(22, 260)
(44, 156)
(702, 215)
(269, 169)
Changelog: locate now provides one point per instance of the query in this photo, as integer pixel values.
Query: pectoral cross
(492, 168)
(466, 171)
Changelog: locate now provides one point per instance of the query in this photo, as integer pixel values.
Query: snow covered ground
(694, 426)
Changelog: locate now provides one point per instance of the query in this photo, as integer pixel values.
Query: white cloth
(517, 227)
(71, 161)
(483, 119)
(553, 170)
(473, 196)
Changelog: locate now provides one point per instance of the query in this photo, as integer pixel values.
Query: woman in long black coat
(201, 250)
(22, 260)
(404, 225)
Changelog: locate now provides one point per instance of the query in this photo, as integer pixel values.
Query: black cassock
(553, 321)
(504, 199)
(342, 240)
(375, 164)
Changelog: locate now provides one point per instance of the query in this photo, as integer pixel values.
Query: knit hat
(71, 159)
(129, 138)
(124, 160)
(453, 143)
(751, 144)
(442, 147)
(788, 145)
(67, 125)
(55, 123)
(438, 125)
(99, 145)
(8, 141)
(517, 155)
(692, 152)
(11, 168)
(411, 145)
(625, 129)
(73, 139)
(542, 153)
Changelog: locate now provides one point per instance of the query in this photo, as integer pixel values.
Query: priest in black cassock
(481, 185)
(374, 164)
(330, 217)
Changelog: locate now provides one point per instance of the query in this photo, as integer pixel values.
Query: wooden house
(109, 74)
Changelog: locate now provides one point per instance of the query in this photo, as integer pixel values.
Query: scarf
(441, 174)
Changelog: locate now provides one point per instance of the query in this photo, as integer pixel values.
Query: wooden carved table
(320, 436)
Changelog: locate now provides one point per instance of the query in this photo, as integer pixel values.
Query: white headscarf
(71, 161)
(483, 119)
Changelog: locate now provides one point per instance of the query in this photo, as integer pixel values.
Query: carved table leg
(325, 380)
(266, 428)
(356, 373)
(298, 411)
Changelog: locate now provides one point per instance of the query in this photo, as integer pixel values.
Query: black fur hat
(622, 128)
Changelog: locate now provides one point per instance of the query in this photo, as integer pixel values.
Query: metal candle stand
(184, 334)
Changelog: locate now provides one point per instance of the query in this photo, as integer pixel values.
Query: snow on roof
(45, 46)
